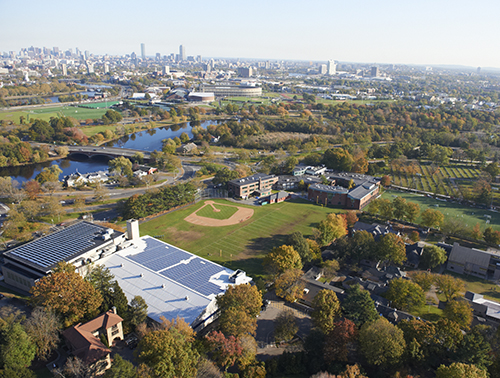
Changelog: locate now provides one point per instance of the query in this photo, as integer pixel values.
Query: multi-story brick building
(259, 184)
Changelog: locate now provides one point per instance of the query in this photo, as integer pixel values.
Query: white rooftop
(173, 282)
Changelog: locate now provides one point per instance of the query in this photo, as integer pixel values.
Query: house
(80, 244)
(77, 178)
(299, 170)
(377, 230)
(315, 171)
(413, 254)
(187, 148)
(258, 184)
(313, 286)
(83, 340)
(482, 264)
(484, 308)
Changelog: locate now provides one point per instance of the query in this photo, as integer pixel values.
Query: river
(146, 140)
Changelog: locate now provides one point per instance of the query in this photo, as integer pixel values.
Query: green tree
(281, 259)
(420, 339)
(138, 157)
(285, 326)
(331, 228)
(67, 293)
(168, 354)
(450, 286)
(49, 174)
(459, 311)
(432, 218)
(326, 310)
(43, 329)
(399, 206)
(475, 348)
(16, 348)
(392, 248)
(138, 310)
(458, 369)
(289, 285)
(121, 368)
(300, 244)
(381, 343)
(412, 211)
(385, 208)
(184, 137)
(432, 256)
(361, 246)
(423, 279)
(405, 295)
(358, 306)
(338, 159)
(491, 236)
(239, 307)
(121, 166)
(223, 176)
(112, 295)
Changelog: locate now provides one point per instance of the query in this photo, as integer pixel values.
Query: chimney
(132, 229)
(114, 309)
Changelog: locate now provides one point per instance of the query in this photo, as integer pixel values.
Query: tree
(399, 207)
(285, 326)
(385, 181)
(223, 176)
(120, 368)
(458, 369)
(459, 311)
(451, 287)
(358, 306)
(121, 166)
(432, 218)
(385, 208)
(224, 350)
(16, 348)
(381, 343)
(423, 279)
(331, 228)
(414, 236)
(168, 354)
(338, 159)
(32, 189)
(432, 256)
(289, 285)
(412, 211)
(475, 348)
(138, 310)
(281, 259)
(49, 174)
(491, 236)
(67, 293)
(392, 248)
(326, 310)
(362, 246)
(43, 328)
(419, 337)
(405, 295)
(239, 307)
(340, 340)
(300, 244)
(103, 281)
(448, 335)
(138, 157)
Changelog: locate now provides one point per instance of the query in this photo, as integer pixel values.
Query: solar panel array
(163, 258)
(158, 256)
(195, 275)
(58, 246)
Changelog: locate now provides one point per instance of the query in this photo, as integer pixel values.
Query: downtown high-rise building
(182, 53)
(143, 51)
(331, 68)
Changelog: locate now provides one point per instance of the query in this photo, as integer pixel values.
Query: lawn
(224, 212)
(477, 285)
(468, 215)
(46, 113)
(242, 245)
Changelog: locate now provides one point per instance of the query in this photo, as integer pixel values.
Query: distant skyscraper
(64, 69)
(375, 72)
(166, 70)
(331, 68)
(106, 68)
(143, 51)
(322, 69)
(478, 70)
(182, 53)
(90, 67)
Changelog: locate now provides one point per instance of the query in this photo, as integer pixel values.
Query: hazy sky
(465, 32)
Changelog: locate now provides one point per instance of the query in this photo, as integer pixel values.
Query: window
(115, 332)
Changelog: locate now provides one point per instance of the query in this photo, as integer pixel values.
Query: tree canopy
(326, 310)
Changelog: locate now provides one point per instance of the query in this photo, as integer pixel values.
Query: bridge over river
(110, 152)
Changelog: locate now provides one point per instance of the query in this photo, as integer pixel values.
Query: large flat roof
(173, 282)
(44, 253)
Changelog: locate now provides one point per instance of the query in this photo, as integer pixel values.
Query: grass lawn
(468, 215)
(479, 286)
(46, 113)
(242, 245)
(428, 312)
(224, 213)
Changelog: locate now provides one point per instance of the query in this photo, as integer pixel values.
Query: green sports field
(242, 245)
(468, 215)
(46, 113)
(224, 212)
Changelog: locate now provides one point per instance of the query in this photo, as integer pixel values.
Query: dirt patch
(177, 235)
(243, 214)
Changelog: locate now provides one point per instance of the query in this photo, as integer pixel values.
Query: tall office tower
(87, 54)
(322, 69)
(374, 72)
(64, 69)
(268, 65)
(143, 51)
(166, 70)
(198, 58)
(90, 67)
(331, 68)
(182, 53)
(106, 67)
(158, 56)
(55, 50)
(478, 70)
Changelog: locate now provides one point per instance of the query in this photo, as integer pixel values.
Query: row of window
(18, 279)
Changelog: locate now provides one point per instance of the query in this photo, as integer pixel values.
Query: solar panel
(60, 245)
(158, 256)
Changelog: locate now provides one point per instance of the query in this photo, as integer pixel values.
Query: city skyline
(432, 33)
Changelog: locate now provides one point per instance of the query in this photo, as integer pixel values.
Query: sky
(425, 32)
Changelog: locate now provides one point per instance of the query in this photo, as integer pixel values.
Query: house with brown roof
(83, 340)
